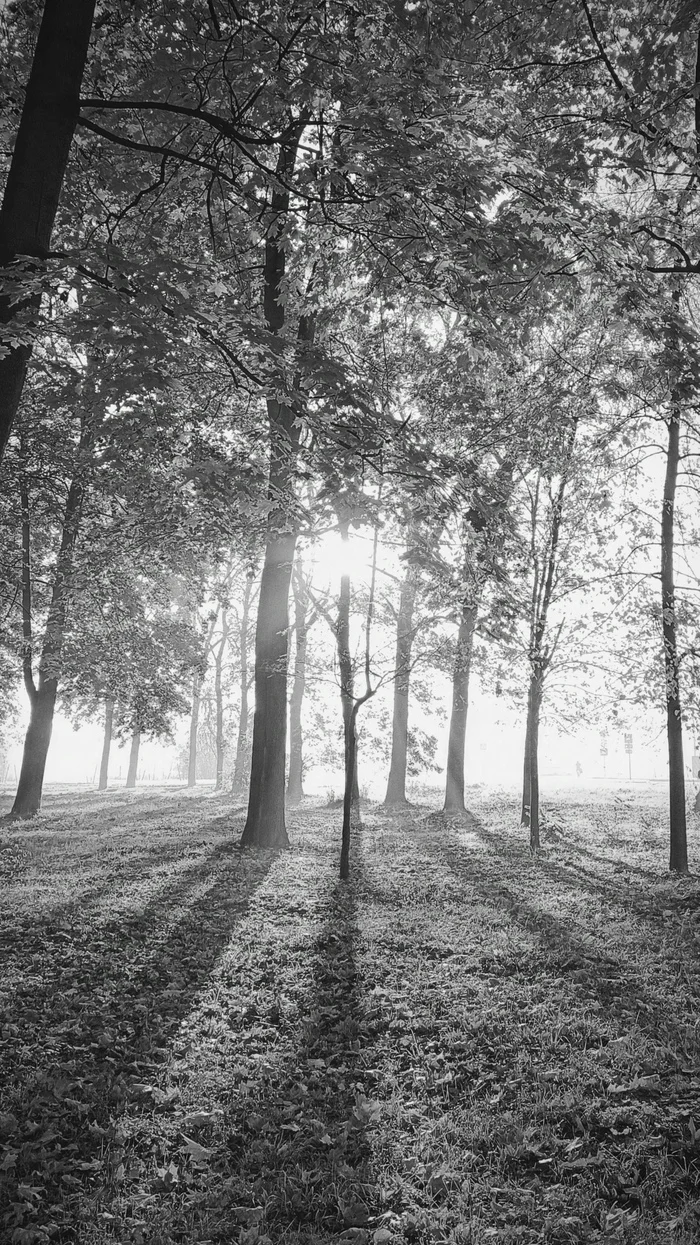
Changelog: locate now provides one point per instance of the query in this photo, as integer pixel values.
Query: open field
(462, 1045)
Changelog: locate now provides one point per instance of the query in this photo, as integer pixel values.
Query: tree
(396, 783)
(33, 186)
(304, 619)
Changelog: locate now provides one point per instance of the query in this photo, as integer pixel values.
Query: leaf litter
(463, 1044)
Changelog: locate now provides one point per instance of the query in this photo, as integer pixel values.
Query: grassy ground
(461, 1045)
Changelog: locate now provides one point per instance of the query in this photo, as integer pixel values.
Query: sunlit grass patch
(462, 1045)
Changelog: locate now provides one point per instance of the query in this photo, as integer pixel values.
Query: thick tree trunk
(347, 682)
(396, 785)
(106, 744)
(240, 770)
(194, 727)
(454, 785)
(219, 701)
(42, 695)
(37, 169)
(678, 861)
(36, 747)
(295, 779)
(265, 823)
(132, 772)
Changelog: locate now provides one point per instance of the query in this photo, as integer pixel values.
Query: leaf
(199, 1154)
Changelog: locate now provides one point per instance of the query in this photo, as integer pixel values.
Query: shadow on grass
(620, 990)
(87, 1010)
(303, 1141)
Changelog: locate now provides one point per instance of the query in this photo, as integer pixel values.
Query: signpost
(628, 750)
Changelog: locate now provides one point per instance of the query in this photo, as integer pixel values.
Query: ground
(461, 1044)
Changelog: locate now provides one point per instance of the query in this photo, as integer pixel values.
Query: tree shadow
(308, 1131)
(616, 986)
(89, 1005)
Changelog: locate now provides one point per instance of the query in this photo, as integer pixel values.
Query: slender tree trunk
(349, 804)
(674, 724)
(194, 727)
(240, 770)
(219, 701)
(533, 734)
(349, 801)
(132, 772)
(37, 169)
(295, 779)
(454, 785)
(265, 823)
(527, 752)
(347, 682)
(107, 744)
(43, 693)
(396, 785)
(197, 683)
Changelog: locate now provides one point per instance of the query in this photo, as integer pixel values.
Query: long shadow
(86, 1016)
(615, 985)
(317, 1175)
(572, 872)
(138, 859)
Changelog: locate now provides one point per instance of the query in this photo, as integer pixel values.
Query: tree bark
(265, 822)
(527, 752)
(534, 701)
(194, 727)
(454, 785)
(396, 784)
(295, 778)
(219, 701)
(37, 169)
(678, 860)
(347, 682)
(42, 694)
(106, 745)
(240, 774)
(349, 801)
(132, 772)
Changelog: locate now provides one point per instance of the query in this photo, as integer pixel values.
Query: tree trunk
(219, 701)
(396, 785)
(37, 169)
(42, 694)
(107, 743)
(527, 752)
(132, 771)
(534, 702)
(295, 779)
(678, 861)
(265, 823)
(454, 786)
(194, 727)
(240, 771)
(36, 747)
(347, 682)
(349, 801)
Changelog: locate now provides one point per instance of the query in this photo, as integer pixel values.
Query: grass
(463, 1044)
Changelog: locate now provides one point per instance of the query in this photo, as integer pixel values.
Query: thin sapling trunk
(396, 784)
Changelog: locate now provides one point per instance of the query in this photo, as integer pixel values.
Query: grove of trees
(417, 278)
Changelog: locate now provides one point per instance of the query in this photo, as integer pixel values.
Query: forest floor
(463, 1044)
